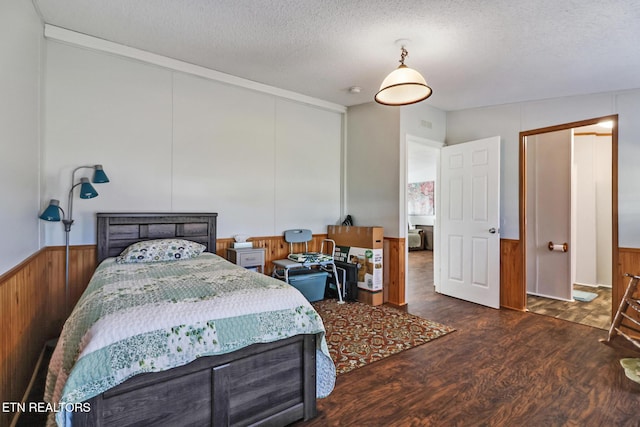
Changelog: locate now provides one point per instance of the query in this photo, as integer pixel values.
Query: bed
(217, 376)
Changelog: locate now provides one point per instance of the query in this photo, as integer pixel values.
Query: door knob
(492, 230)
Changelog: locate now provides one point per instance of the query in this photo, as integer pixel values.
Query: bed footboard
(270, 384)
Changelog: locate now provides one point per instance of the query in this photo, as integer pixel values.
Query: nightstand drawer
(250, 258)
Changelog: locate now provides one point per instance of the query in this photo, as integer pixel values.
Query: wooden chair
(629, 310)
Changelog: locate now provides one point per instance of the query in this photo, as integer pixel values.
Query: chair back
(298, 235)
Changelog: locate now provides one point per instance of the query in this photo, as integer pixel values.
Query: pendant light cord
(403, 55)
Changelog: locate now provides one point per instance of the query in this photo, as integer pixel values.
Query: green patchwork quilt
(149, 317)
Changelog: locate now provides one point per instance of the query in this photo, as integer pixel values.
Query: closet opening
(568, 199)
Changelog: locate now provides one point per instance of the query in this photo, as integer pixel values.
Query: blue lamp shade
(52, 212)
(99, 177)
(86, 189)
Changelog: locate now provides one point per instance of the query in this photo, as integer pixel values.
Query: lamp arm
(73, 174)
(64, 215)
(69, 221)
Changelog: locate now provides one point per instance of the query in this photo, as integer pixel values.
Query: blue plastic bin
(310, 283)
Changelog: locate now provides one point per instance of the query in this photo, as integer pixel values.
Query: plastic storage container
(310, 282)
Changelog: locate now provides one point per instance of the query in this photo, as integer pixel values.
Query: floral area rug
(359, 333)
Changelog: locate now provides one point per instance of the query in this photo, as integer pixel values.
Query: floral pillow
(160, 250)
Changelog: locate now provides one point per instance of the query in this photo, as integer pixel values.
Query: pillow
(160, 250)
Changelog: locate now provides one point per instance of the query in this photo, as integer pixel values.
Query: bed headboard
(116, 231)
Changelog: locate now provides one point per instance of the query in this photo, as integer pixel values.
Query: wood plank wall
(394, 255)
(512, 293)
(23, 307)
(628, 263)
(275, 247)
(32, 312)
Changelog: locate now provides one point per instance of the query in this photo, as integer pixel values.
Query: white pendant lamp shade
(403, 86)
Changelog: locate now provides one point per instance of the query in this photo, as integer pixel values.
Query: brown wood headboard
(116, 231)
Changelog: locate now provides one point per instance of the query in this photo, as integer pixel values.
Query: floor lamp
(52, 213)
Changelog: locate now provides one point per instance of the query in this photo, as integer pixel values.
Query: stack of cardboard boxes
(362, 246)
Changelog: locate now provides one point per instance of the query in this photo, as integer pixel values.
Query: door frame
(614, 197)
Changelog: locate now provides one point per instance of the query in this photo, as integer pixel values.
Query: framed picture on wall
(420, 198)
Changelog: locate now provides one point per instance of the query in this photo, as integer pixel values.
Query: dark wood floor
(500, 368)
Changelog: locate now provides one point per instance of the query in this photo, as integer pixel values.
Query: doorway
(568, 199)
(422, 166)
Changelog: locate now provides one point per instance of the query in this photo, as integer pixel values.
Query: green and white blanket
(150, 317)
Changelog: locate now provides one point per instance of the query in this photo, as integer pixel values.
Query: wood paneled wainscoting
(628, 263)
(275, 247)
(23, 308)
(394, 262)
(32, 312)
(512, 294)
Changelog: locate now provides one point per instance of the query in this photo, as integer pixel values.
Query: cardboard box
(371, 298)
(369, 262)
(361, 246)
(361, 237)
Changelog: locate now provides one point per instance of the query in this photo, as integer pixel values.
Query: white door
(470, 220)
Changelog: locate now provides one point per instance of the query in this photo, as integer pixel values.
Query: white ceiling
(472, 53)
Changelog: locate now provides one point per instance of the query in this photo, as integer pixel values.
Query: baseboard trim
(25, 397)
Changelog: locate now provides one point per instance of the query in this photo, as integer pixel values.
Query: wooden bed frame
(270, 384)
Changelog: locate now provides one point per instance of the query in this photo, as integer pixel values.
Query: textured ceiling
(471, 52)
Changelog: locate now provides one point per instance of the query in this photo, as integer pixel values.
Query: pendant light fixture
(403, 86)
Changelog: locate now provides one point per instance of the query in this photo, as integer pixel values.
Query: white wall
(508, 120)
(421, 162)
(604, 267)
(171, 141)
(20, 41)
(421, 166)
(376, 186)
(373, 166)
(627, 105)
(591, 210)
(583, 211)
(100, 109)
(426, 123)
(531, 266)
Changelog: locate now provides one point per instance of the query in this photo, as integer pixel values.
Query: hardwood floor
(596, 313)
(500, 368)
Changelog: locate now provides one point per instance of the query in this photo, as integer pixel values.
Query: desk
(247, 257)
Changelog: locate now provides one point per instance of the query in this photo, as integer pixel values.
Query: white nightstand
(247, 258)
